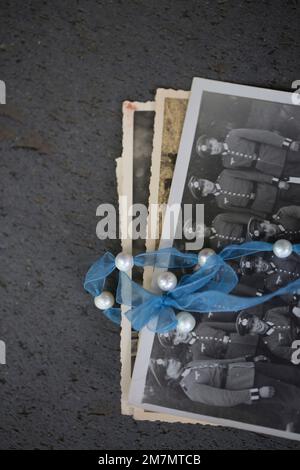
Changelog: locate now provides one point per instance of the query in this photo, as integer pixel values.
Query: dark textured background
(68, 65)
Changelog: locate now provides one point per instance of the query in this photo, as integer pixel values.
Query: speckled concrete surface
(68, 66)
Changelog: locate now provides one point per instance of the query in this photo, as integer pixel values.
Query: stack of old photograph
(232, 150)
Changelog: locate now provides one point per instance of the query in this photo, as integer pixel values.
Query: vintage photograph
(239, 156)
(170, 110)
(145, 155)
(133, 175)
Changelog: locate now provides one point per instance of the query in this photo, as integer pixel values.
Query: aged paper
(169, 118)
(131, 168)
(226, 109)
(172, 106)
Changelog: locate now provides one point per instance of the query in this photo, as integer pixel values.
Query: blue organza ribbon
(167, 258)
(114, 314)
(157, 311)
(96, 276)
(250, 248)
(206, 290)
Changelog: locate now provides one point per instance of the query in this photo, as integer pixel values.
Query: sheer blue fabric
(113, 314)
(216, 301)
(244, 249)
(206, 290)
(168, 258)
(296, 248)
(97, 274)
(147, 308)
(215, 274)
(249, 248)
(157, 311)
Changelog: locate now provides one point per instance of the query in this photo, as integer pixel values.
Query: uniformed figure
(279, 329)
(207, 339)
(273, 272)
(236, 227)
(230, 317)
(225, 229)
(289, 211)
(231, 382)
(285, 224)
(247, 191)
(287, 220)
(262, 150)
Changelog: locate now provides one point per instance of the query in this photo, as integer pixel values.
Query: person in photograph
(270, 272)
(208, 339)
(225, 229)
(285, 224)
(236, 227)
(221, 319)
(232, 382)
(278, 330)
(262, 150)
(247, 191)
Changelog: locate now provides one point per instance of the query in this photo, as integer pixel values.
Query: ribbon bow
(208, 289)
(157, 311)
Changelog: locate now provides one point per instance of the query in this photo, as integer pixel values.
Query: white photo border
(199, 86)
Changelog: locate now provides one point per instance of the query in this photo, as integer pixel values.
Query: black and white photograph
(138, 119)
(142, 149)
(239, 156)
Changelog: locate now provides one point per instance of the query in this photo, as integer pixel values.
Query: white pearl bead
(185, 322)
(282, 248)
(105, 300)
(167, 281)
(296, 312)
(124, 262)
(204, 255)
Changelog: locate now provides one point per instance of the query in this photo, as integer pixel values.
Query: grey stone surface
(68, 66)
